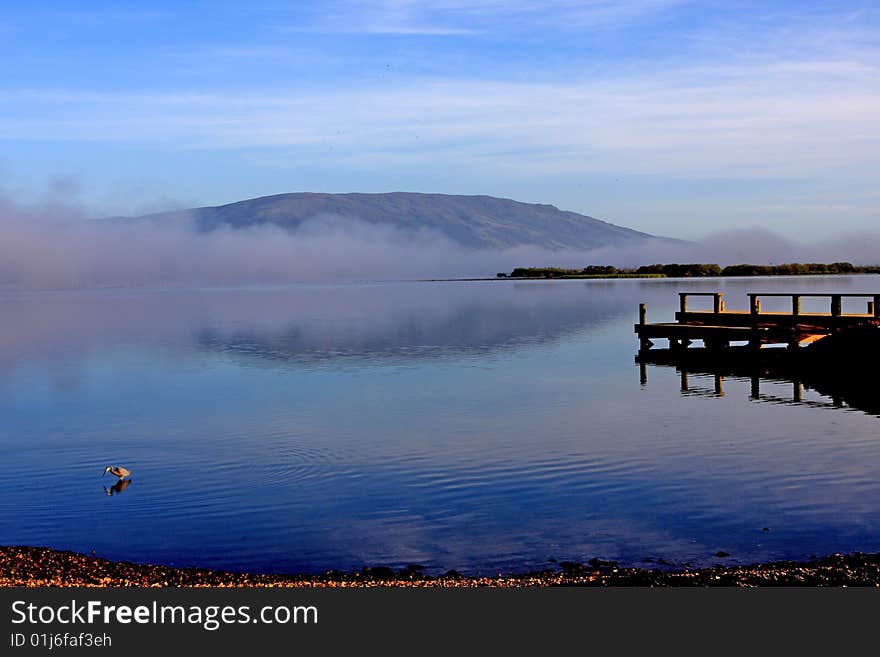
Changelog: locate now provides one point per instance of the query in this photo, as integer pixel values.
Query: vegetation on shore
(42, 567)
(693, 270)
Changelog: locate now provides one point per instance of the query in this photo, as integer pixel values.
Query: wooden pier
(718, 328)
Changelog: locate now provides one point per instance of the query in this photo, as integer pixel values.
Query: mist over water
(52, 246)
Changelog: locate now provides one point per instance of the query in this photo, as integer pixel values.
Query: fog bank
(54, 246)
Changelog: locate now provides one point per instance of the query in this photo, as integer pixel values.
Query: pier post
(795, 304)
(718, 302)
(756, 386)
(719, 385)
(877, 305)
(754, 310)
(684, 381)
(835, 305)
(643, 373)
(797, 391)
(683, 301)
(755, 342)
(644, 343)
(870, 307)
(754, 304)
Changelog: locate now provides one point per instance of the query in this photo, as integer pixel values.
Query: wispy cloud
(386, 28)
(786, 119)
(456, 18)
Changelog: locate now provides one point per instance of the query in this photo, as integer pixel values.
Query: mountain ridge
(476, 221)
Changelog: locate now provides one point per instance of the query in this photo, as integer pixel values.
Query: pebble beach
(22, 566)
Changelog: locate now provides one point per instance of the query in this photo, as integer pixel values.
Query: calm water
(477, 426)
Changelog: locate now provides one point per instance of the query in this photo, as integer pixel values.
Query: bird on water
(117, 471)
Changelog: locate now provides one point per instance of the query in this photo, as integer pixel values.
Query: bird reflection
(118, 487)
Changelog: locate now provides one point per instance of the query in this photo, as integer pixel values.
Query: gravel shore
(35, 566)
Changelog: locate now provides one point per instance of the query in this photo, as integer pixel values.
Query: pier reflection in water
(819, 389)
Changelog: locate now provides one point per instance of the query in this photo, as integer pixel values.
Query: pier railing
(717, 303)
(873, 306)
(836, 302)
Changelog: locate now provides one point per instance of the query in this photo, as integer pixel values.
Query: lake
(478, 426)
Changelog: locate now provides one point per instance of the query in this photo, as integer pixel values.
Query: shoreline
(25, 566)
(594, 277)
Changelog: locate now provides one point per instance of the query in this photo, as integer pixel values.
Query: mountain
(473, 221)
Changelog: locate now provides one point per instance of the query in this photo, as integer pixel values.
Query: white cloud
(474, 17)
(786, 119)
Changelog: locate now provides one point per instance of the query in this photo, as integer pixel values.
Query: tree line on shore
(693, 270)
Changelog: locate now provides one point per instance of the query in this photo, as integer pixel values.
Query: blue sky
(673, 117)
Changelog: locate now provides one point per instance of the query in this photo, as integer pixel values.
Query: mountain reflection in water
(305, 325)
